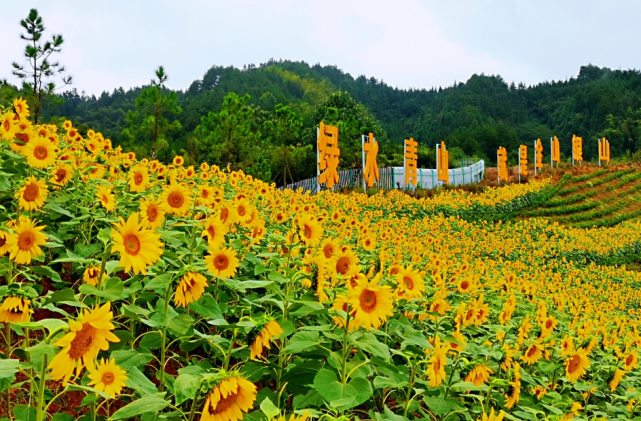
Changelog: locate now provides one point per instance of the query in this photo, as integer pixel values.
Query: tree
(149, 122)
(36, 78)
(284, 131)
(227, 135)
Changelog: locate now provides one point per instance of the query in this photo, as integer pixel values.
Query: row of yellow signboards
(329, 158)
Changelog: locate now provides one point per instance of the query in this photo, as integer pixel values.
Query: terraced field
(601, 198)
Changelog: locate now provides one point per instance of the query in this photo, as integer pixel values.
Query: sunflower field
(131, 289)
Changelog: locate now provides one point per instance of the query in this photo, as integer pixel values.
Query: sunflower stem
(105, 256)
(192, 410)
(229, 351)
(345, 350)
(40, 414)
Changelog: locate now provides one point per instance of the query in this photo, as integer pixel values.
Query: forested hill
(477, 115)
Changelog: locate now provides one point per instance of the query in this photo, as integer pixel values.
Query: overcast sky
(406, 43)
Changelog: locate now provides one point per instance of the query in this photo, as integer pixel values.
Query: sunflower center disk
(108, 378)
(40, 152)
(26, 240)
(409, 284)
(152, 213)
(221, 262)
(81, 344)
(224, 404)
(175, 200)
(368, 301)
(31, 192)
(132, 244)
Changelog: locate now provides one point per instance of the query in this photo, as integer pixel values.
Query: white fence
(394, 178)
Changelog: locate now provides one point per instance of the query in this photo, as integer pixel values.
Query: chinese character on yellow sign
(370, 172)
(411, 150)
(539, 154)
(604, 150)
(556, 150)
(443, 164)
(523, 160)
(328, 153)
(501, 157)
(577, 149)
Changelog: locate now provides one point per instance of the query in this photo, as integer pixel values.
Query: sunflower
(138, 179)
(96, 171)
(32, 195)
(107, 377)
(618, 376)
(229, 399)
(309, 230)
(532, 354)
(40, 152)
(368, 242)
(15, 309)
(4, 243)
(21, 107)
(106, 198)
(221, 262)
(206, 194)
(91, 275)
(176, 199)
(492, 417)
(242, 210)
(479, 375)
(61, 175)
(436, 364)
(24, 244)
(344, 262)
(329, 248)
(190, 288)
(372, 304)
(8, 126)
(410, 284)
(567, 346)
(514, 392)
(341, 303)
(67, 125)
(179, 160)
(215, 231)
(138, 247)
(630, 362)
(152, 214)
(90, 334)
(269, 331)
(576, 365)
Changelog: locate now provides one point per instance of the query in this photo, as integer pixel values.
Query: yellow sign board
(411, 156)
(604, 150)
(328, 155)
(370, 172)
(539, 154)
(556, 150)
(501, 157)
(577, 149)
(443, 164)
(523, 160)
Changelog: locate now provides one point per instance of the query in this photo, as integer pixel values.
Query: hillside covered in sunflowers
(139, 290)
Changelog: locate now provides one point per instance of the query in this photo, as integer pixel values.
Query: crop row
(608, 222)
(596, 183)
(562, 210)
(594, 214)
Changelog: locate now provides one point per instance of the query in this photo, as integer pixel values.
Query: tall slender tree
(37, 75)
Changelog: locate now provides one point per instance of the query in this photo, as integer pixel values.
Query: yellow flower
(152, 214)
(8, 126)
(532, 354)
(4, 243)
(190, 288)
(229, 399)
(436, 364)
(24, 244)
(576, 365)
(91, 275)
(630, 361)
(107, 377)
(138, 247)
(618, 376)
(222, 262)
(492, 417)
(40, 152)
(309, 230)
(372, 304)
(176, 199)
(21, 107)
(61, 175)
(106, 198)
(179, 160)
(32, 195)
(410, 284)
(138, 179)
(479, 375)
(88, 335)
(270, 331)
(15, 309)
(215, 231)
